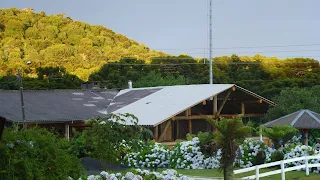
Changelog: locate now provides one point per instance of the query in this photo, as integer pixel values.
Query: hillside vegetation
(65, 53)
(57, 40)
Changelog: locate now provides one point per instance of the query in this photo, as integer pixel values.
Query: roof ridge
(297, 117)
(280, 118)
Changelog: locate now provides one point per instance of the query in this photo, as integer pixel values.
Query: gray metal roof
(127, 97)
(170, 101)
(303, 119)
(56, 105)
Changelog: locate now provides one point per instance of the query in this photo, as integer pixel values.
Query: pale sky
(181, 26)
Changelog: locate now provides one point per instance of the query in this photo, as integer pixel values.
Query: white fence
(282, 163)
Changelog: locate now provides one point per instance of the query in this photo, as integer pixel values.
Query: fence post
(307, 165)
(257, 172)
(283, 176)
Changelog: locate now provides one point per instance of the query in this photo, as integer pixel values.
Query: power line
(290, 51)
(225, 63)
(242, 47)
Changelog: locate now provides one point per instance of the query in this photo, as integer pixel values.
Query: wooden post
(305, 137)
(243, 110)
(156, 132)
(215, 104)
(225, 99)
(67, 131)
(190, 126)
(177, 135)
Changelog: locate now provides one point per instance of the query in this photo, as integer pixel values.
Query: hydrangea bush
(137, 174)
(186, 155)
(252, 152)
(154, 155)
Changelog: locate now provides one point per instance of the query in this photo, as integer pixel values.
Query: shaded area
(94, 166)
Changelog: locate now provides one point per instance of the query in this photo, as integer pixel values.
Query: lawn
(295, 175)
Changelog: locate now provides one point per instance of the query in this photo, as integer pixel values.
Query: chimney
(130, 84)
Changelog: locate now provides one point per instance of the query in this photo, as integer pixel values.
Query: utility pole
(210, 43)
(22, 100)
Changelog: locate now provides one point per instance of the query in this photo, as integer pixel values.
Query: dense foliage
(105, 137)
(295, 99)
(57, 40)
(36, 153)
(99, 54)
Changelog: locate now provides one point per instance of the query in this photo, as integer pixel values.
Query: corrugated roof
(61, 105)
(125, 98)
(170, 101)
(302, 119)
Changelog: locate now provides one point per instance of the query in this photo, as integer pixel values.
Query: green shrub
(105, 137)
(207, 144)
(36, 153)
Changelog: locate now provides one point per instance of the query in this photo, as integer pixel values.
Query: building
(169, 111)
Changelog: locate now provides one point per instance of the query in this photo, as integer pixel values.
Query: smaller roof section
(302, 119)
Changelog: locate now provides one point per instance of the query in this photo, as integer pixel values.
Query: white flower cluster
(168, 174)
(186, 155)
(249, 150)
(301, 151)
(118, 176)
(155, 156)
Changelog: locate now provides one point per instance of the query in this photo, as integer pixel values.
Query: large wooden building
(169, 111)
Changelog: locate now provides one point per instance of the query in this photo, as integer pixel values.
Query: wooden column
(177, 133)
(190, 126)
(305, 137)
(243, 110)
(215, 104)
(156, 133)
(67, 131)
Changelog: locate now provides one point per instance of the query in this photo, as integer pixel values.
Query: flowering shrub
(298, 151)
(138, 174)
(251, 152)
(154, 155)
(184, 155)
(187, 155)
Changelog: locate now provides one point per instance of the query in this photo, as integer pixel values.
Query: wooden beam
(190, 126)
(67, 131)
(194, 117)
(156, 132)
(223, 103)
(215, 105)
(246, 102)
(245, 115)
(164, 132)
(243, 110)
(189, 112)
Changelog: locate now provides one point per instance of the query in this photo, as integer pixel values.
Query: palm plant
(279, 133)
(229, 134)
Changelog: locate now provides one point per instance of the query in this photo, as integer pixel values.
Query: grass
(292, 175)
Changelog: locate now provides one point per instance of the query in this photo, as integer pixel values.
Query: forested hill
(57, 40)
(63, 50)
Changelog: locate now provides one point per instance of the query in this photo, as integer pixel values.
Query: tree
(153, 79)
(279, 133)
(294, 99)
(106, 134)
(229, 134)
(36, 153)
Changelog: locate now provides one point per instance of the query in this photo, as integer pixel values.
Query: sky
(282, 28)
